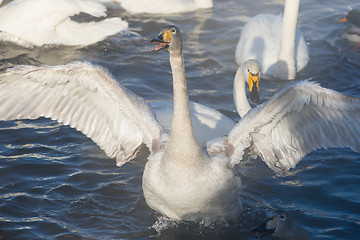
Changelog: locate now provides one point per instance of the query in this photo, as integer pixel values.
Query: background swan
(39, 22)
(179, 180)
(159, 6)
(249, 72)
(280, 48)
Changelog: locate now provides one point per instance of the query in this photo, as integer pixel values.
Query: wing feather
(85, 97)
(299, 119)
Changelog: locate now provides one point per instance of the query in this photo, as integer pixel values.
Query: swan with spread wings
(180, 180)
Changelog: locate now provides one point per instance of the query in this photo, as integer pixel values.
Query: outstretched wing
(85, 97)
(299, 119)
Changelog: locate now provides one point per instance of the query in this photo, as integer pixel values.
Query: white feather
(86, 98)
(299, 119)
(39, 22)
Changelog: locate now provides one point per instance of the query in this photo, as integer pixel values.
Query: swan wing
(85, 97)
(299, 119)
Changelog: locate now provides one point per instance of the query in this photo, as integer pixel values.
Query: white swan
(38, 22)
(159, 6)
(180, 180)
(277, 44)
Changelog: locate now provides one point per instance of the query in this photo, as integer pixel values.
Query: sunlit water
(56, 183)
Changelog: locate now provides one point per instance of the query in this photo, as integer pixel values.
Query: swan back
(207, 122)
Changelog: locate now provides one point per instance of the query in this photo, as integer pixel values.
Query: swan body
(39, 22)
(159, 6)
(179, 179)
(275, 42)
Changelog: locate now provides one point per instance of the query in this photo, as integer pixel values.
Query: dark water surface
(56, 183)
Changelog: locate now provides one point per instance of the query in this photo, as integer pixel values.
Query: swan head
(252, 71)
(169, 38)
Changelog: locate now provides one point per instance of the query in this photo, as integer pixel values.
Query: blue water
(56, 183)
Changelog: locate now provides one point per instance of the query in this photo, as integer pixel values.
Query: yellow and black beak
(253, 82)
(162, 41)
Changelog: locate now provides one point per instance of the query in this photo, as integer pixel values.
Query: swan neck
(182, 140)
(239, 94)
(285, 66)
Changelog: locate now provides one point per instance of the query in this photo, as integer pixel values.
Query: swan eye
(248, 70)
(282, 217)
(173, 30)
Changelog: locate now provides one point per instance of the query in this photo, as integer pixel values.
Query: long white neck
(182, 145)
(285, 66)
(239, 94)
